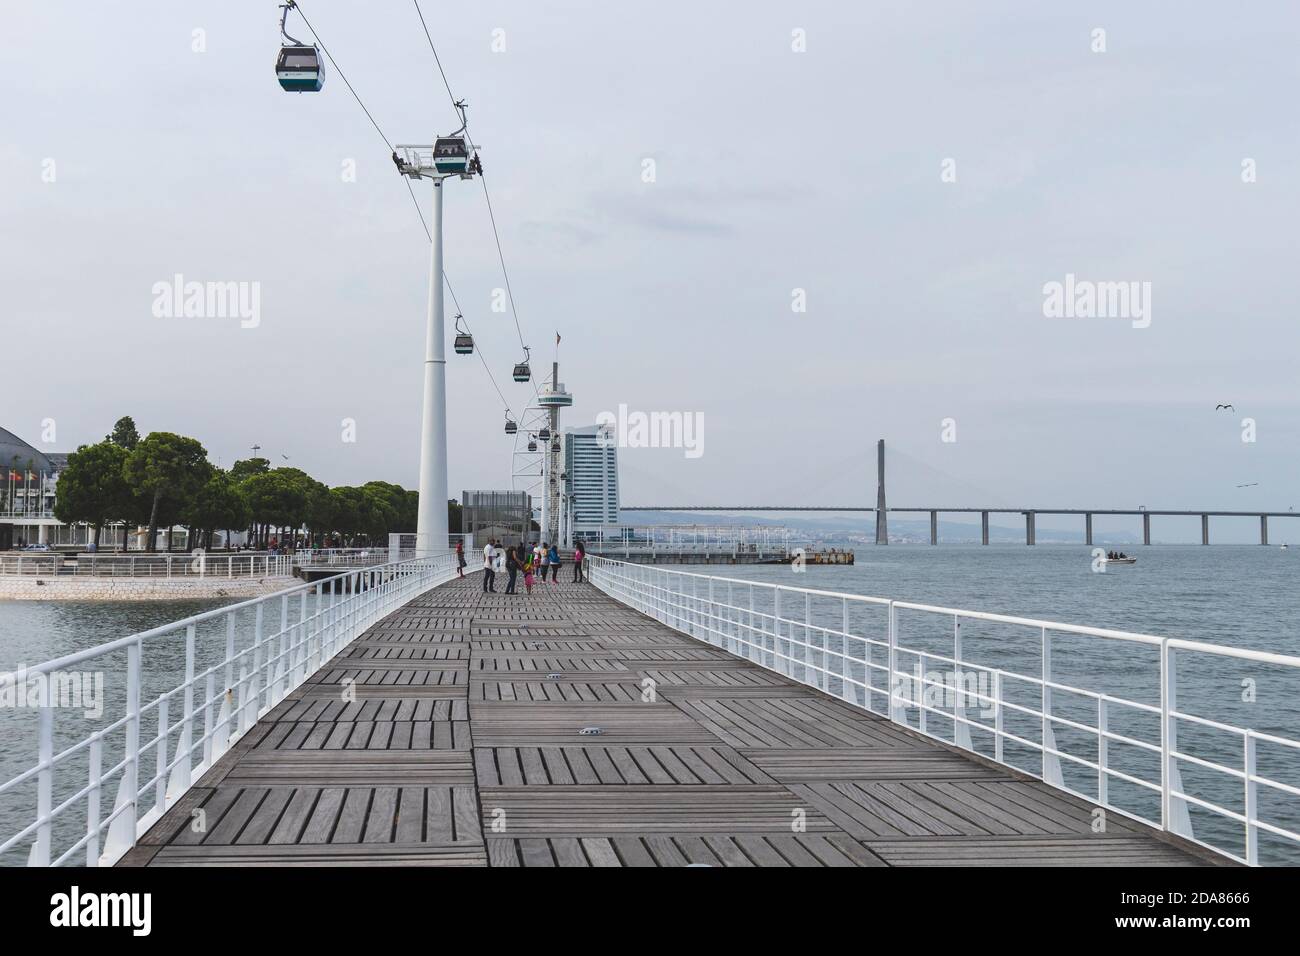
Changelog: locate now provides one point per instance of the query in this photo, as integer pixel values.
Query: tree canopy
(93, 488)
(166, 479)
(124, 433)
(167, 469)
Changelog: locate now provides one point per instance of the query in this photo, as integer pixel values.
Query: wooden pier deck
(463, 747)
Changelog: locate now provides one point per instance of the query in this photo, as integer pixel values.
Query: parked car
(37, 547)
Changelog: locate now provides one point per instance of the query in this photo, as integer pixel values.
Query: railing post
(160, 764)
(185, 746)
(1252, 806)
(1051, 763)
(1165, 726)
(131, 772)
(230, 652)
(846, 687)
(960, 729)
(1174, 816)
(891, 685)
(1103, 751)
(749, 637)
(920, 690)
(92, 798)
(40, 855)
(209, 726)
(280, 671)
(776, 629)
(997, 716)
(298, 648)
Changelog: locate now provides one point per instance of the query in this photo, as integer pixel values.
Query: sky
(913, 175)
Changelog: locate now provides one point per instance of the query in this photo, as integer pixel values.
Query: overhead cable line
(459, 107)
(419, 212)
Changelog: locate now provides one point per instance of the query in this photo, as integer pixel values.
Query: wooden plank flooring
(451, 734)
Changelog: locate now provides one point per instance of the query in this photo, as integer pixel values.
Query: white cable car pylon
(450, 156)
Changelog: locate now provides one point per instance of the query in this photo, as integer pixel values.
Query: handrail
(272, 644)
(147, 565)
(776, 626)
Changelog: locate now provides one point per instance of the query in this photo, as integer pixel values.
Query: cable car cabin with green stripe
(299, 69)
(451, 155)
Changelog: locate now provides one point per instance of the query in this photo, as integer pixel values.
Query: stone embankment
(64, 588)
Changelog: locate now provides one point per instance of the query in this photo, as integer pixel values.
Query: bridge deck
(460, 750)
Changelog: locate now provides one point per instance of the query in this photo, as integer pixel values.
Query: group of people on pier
(542, 559)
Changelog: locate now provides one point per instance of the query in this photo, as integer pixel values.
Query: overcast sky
(775, 170)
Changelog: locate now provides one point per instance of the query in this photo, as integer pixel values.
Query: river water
(1242, 596)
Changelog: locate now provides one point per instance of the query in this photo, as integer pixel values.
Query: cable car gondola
(544, 434)
(299, 66)
(451, 155)
(511, 427)
(464, 344)
(522, 372)
(532, 445)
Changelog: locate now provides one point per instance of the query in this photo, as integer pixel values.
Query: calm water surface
(1242, 596)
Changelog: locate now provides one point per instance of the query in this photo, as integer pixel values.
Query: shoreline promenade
(460, 730)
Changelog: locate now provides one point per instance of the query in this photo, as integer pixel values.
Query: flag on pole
(557, 338)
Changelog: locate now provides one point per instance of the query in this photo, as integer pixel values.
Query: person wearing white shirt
(489, 567)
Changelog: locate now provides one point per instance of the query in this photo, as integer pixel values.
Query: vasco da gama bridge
(1030, 514)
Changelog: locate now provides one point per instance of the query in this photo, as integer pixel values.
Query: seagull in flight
(1228, 407)
(1251, 485)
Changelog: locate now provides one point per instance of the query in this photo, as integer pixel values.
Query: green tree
(219, 505)
(124, 434)
(320, 510)
(347, 507)
(283, 498)
(247, 467)
(387, 509)
(92, 487)
(166, 469)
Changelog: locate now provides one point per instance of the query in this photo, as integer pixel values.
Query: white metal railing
(690, 539)
(339, 557)
(1127, 752)
(410, 545)
(198, 564)
(180, 710)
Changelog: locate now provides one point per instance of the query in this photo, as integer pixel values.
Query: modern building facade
(27, 492)
(591, 474)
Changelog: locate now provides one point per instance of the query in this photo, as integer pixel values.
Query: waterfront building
(27, 493)
(591, 470)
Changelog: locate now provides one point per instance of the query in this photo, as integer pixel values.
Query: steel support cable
(415, 201)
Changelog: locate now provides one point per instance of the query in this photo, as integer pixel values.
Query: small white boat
(1121, 560)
